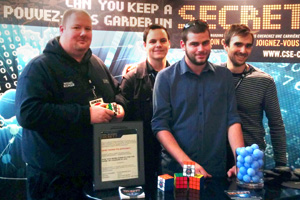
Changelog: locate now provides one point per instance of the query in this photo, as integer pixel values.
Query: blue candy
(243, 170)
(240, 176)
(255, 157)
(255, 165)
(248, 159)
(239, 165)
(259, 174)
(249, 150)
(254, 146)
(261, 154)
(251, 172)
(255, 179)
(258, 153)
(240, 159)
(246, 178)
(243, 152)
(247, 165)
(260, 162)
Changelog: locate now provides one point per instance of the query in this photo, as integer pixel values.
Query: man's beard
(235, 63)
(194, 61)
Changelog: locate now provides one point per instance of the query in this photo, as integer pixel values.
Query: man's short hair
(69, 12)
(195, 26)
(237, 29)
(153, 27)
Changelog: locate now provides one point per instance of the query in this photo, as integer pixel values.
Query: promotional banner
(27, 26)
(276, 23)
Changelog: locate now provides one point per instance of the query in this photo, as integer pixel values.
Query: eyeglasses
(199, 22)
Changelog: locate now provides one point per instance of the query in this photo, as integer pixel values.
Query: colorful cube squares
(180, 181)
(189, 168)
(165, 182)
(186, 181)
(196, 182)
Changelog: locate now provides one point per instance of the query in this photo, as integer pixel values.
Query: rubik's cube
(165, 182)
(196, 181)
(189, 168)
(113, 107)
(180, 181)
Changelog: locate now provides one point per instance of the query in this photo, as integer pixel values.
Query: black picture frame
(123, 128)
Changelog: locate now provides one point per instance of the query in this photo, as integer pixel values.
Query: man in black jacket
(137, 87)
(54, 104)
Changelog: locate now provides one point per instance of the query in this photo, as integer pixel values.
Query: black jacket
(137, 86)
(52, 104)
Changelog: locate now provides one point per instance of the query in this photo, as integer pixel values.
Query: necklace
(244, 74)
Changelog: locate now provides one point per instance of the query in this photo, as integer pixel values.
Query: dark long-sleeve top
(52, 105)
(255, 95)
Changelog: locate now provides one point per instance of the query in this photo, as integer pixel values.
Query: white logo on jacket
(105, 81)
(68, 84)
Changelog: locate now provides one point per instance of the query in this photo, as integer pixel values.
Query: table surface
(213, 189)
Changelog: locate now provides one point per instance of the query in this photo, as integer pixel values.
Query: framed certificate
(118, 155)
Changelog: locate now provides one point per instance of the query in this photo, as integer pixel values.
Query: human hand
(100, 114)
(128, 68)
(120, 113)
(200, 170)
(232, 171)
